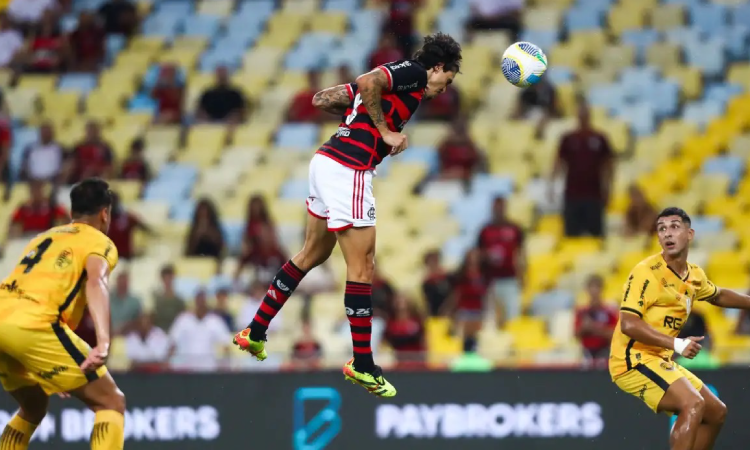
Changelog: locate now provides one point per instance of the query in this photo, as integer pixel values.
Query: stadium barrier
(525, 410)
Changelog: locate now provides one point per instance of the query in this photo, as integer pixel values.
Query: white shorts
(341, 195)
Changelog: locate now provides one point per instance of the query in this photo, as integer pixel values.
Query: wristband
(680, 345)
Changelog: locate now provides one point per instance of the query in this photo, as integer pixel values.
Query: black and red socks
(281, 288)
(358, 303)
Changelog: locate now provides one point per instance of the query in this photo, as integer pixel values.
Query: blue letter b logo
(314, 435)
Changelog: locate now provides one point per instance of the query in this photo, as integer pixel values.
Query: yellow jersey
(663, 299)
(48, 284)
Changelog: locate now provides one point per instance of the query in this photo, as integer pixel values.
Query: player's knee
(695, 404)
(34, 412)
(115, 402)
(719, 413)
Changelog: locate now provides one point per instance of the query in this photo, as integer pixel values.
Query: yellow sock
(17, 434)
(109, 431)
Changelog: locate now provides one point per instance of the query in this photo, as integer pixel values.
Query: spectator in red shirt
(587, 158)
(459, 157)
(405, 332)
(501, 243)
(436, 286)
(266, 257)
(49, 51)
(469, 292)
(301, 109)
(38, 214)
(307, 352)
(168, 93)
(445, 107)
(87, 42)
(257, 219)
(135, 167)
(92, 157)
(595, 323)
(640, 216)
(386, 52)
(122, 227)
(205, 237)
(401, 22)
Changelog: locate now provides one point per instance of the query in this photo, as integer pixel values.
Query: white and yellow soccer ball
(524, 64)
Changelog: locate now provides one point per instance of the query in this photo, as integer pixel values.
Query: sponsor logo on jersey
(657, 266)
(695, 283)
(666, 365)
(65, 259)
(49, 374)
(282, 286)
(642, 392)
(343, 132)
(407, 87)
(399, 66)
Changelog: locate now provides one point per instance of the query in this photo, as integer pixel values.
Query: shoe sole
(349, 375)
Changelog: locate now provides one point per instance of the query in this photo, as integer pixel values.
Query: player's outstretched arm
(334, 100)
(635, 328)
(97, 294)
(727, 298)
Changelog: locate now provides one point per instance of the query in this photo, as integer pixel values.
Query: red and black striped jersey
(357, 143)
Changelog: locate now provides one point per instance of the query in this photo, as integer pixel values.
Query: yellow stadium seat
(667, 17)
(189, 43)
(732, 280)
(253, 135)
(709, 187)
(727, 262)
(429, 134)
(521, 211)
(102, 105)
(618, 133)
(664, 55)
(182, 57)
(544, 18)
(128, 190)
(220, 8)
(424, 21)
(329, 22)
(262, 61)
(572, 56)
(6, 76)
(196, 267)
(624, 17)
(327, 130)
(628, 260)
(529, 334)
(166, 136)
(61, 105)
(141, 120)
(251, 84)
(725, 129)
(210, 137)
(199, 157)
(300, 6)
(590, 77)
(689, 78)
(293, 79)
(540, 243)
(121, 137)
(41, 83)
(739, 73)
(133, 61)
(550, 224)
(147, 45)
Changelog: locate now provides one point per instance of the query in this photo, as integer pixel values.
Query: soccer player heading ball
(373, 110)
(659, 295)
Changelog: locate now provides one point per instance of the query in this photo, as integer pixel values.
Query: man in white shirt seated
(30, 11)
(197, 337)
(147, 346)
(11, 42)
(43, 160)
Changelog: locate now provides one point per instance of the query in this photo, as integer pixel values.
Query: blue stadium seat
(187, 288)
(206, 26)
(81, 82)
(142, 103)
(303, 136)
(348, 6)
(640, 116)
(683, 36)
(635, 80)
(171, 192)
(114, 45)
(684, 2)
(174, 8)
(731, 166)
(735, 39)
(708, 16)
(182, 210)
(233, 235)
(472, 212)
(708, 56)
(455, 248)
(450, 22)
(545, 39)
(583, 18)
(219, 282)
(427, 155)
(152, 75)
(162, 25)
(295, 190)
(173, 172)
(664, 96)
(741, 14)
(549, 303)
(610, 96)
(721, 92)
(250, 25)
(702, 112)
(365, 20)
(68, 23)
(484, 185)
(237, 38)
(255, 8)
(229, 57)
(352, 53)
(707, 224)
(641, 40)
(559, 75)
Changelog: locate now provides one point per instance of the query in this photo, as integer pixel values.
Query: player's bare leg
(683, 399)
(319, 243)
(108, 403)
(358, 247)
(713, 420)
(32, 402)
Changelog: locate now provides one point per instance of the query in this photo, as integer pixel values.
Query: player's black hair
(89, 197)
(440, 48)
(675, 211)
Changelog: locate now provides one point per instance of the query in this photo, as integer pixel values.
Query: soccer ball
(524, 64)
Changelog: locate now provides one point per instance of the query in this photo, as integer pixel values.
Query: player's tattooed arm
(334, 100)
(371, 87)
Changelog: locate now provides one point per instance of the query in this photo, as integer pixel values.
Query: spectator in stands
(6, 142)
(252, 302)
(49, 50)
(307, 352)
(587, 158)
(445, 107)
(222, 102)
(93, 157)
(266, 257)
(43, 160)
(11, 42)
(38, 214)
(30, 12)
(501, 244)
(459, 157)
(492, 15)
(122, 227)
(168, 93)
(120, 17)
(640, 217)
(124, 307)
(346, 75)
(470, 290)
(301, 108)
(382, 294)
(405, 332)
(436, 286)
(400, 23)
(257, 219)
(222, 307)
(87, 43)
(136, 167)
(147, 346)
(595, 323)
(386, 52)
(205, 237)
(196, 335)
(539, 104)
(167, 304)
